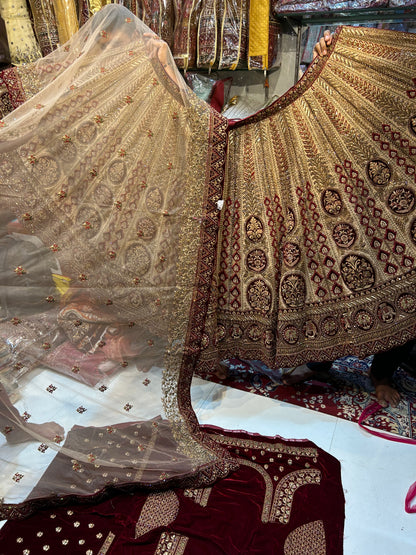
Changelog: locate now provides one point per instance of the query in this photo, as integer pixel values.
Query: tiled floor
(376, 473)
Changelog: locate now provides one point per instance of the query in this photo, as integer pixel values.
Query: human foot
(221, 372)
(302, 374)
(30, 431)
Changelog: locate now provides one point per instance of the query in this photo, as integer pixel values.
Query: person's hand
(156, 46)
(320, 48)
(153, 43)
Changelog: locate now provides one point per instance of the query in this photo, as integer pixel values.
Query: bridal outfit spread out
(120, 274)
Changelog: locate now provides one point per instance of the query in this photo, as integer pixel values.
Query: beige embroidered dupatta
(317, 246)
(113, 171)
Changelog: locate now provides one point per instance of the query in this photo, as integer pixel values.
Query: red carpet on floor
(348, 392)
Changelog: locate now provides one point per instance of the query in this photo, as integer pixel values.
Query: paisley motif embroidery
(259, 295)
(254, 229)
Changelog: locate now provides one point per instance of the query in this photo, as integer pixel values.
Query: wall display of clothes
(313, 33)
(285, 6)
(201, 33)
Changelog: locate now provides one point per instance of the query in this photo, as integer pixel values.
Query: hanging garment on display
(185, 34)
(258, 44)
(317, 245)
(160, 17)
(45, 25)
(234, 32)
(21, 39)
(66, 19)
(207, 34)
(12, 93)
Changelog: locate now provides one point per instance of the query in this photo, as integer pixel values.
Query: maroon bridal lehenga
(121, 273)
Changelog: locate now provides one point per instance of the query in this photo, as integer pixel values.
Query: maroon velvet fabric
(285, 498)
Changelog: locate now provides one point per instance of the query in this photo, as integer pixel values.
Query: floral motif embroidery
(285, 490)
(171, 543)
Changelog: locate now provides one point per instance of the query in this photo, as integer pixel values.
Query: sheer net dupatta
(109, 181)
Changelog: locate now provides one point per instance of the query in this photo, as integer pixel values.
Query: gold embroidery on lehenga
(293, 289)
(256, 260)
(401, 200)
(107, 543)
(308, 538)
(159, 509)
(259, 295)
(344, 235)
(171, 543)
(285, 490)
(268, 493)
(379, 172)
(357, 272)
(298, 451)
(346, 208)
(199, 495)
(254, 229)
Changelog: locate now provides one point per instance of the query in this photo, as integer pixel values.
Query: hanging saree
(185, 34)
(45, 25)
(317, 245)
(233, 38)
(207, 34)
(109, 225)
(66, 19)
(160, 17)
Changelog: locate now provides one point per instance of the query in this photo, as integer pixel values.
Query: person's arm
(157, 46)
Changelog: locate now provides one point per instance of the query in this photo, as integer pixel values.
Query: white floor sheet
(376, 473)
